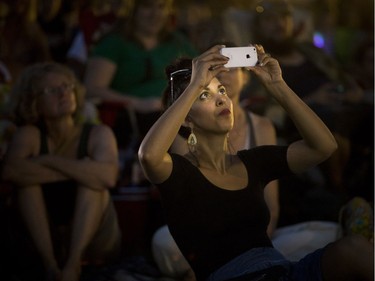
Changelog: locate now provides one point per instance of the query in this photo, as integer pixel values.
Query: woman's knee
(350, 258)
(352, 245)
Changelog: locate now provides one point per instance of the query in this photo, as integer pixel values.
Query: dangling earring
(192, 141)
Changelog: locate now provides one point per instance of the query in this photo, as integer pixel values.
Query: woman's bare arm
(98, 170)
(98, 77)
(24, 167)
(19, 167)
(317, 142)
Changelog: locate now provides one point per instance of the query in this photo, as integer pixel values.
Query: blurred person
(125, 70)
(59, 20)
(362, 65)
(22, 40)
(199, 22)
(213, 199)
(361, 164)
(61, 170)
(7, 127)
(354, 23)
(315, 77)
(96, 18)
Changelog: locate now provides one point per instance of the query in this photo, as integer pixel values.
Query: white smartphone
(240, 56)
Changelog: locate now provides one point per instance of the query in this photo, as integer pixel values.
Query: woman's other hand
(268, 69)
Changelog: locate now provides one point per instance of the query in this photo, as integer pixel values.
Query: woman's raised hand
(268, 69)
(206, 66)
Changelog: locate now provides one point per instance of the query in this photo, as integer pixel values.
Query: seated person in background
(213, 199)
(314, 77)
(23, 41)
(125, 69)
(125, 75)
(62, 170)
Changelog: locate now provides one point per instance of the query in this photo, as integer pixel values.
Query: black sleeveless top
(60, 196)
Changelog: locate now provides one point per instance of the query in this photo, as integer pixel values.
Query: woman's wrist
(275, 87)
(193, 89)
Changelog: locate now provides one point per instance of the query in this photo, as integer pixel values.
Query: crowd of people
(89, 107)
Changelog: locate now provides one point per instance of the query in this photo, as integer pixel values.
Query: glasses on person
(59, 89)
(183, 73)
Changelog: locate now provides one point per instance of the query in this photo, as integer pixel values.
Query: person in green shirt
(126, 68)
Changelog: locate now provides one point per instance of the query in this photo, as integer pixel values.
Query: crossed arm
(99, 74)
(98, 171)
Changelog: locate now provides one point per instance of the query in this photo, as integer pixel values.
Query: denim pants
(307, 269)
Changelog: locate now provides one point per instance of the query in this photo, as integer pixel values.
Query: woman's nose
(220, 100)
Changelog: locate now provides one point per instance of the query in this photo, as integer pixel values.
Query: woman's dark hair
(178, 75)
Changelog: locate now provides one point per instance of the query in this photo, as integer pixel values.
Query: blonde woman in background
(61, 170)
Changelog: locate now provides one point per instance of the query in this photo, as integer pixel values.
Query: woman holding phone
(213, 200)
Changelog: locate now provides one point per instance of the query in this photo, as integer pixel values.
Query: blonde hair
(29, 86)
